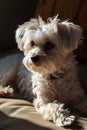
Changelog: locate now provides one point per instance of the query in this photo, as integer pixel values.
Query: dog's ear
(70, 36)
(22, 29)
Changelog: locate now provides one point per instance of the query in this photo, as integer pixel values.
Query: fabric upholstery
(18, 114)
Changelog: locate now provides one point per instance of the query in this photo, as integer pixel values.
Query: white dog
(52, 79)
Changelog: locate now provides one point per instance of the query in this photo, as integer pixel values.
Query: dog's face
(46, 45)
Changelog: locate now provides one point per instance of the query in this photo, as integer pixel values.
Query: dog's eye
(48, 46)
(32, 43)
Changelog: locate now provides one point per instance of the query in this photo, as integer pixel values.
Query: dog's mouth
(32, 64)
(43, 66)
(37, 64)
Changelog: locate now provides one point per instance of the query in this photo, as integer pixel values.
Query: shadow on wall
(12, 14)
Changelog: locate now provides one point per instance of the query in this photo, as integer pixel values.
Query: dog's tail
(8, 82)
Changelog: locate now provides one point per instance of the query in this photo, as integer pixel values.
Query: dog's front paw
(65, 121)
(6, 91)
(62, 117)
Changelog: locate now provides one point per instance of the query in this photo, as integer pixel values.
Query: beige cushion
(18, 114)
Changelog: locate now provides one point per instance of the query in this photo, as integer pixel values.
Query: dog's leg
(7, 82)
(6, 91)
(55, 112)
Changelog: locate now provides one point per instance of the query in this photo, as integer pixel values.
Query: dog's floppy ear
(70, 36)
(31, 25)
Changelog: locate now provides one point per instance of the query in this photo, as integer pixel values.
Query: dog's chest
(50, 89)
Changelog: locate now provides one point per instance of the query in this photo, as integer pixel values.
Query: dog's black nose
(35, 59)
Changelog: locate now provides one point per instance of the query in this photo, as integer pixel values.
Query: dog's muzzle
(35, 59)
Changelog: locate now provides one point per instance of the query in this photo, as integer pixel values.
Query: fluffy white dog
(52, 79)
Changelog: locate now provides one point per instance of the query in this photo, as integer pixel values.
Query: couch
(17, 114)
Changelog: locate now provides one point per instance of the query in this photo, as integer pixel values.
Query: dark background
(12, 14)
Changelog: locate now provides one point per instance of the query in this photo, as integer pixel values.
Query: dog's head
(46, 44)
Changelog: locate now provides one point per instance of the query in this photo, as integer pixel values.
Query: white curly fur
(52, 80)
